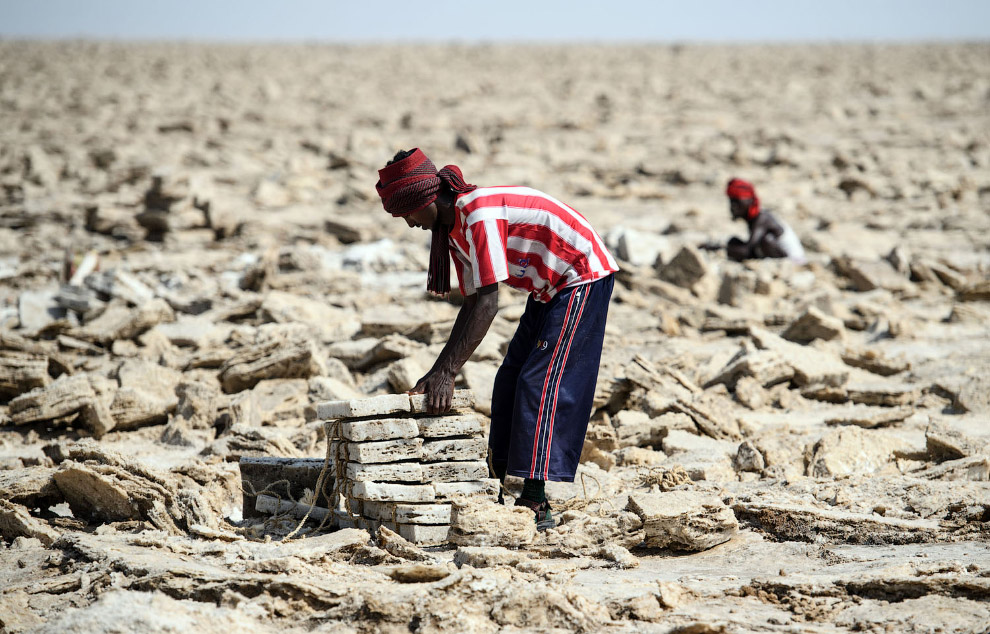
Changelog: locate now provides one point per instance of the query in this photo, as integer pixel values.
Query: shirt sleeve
(487, 234)
(465, 276)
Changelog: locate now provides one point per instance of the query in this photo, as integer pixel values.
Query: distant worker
(769, 237)
(543, 392)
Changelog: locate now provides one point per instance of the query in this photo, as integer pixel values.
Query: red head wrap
(411, 184)
(408, 185)
(738, 189)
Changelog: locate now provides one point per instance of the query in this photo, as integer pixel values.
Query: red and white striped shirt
(527, 239)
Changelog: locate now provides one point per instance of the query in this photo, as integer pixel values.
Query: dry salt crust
(232, 271)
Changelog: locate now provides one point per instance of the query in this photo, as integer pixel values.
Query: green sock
(534, 490)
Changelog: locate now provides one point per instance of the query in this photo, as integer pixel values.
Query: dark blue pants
(544, 390)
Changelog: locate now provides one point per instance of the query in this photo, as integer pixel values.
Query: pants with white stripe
(543, 393)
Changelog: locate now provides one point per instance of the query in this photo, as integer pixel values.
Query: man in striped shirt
(529, 240)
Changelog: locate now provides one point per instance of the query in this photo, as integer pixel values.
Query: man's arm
(473, 321)
(757, 230)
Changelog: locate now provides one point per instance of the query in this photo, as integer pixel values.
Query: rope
(666, 478)
(319, 489)
(271, 521)
(583, 504)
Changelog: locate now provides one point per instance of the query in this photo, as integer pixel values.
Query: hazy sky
(529, 20)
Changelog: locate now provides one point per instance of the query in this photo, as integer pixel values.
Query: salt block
(421, 533)
(390, 492)
(447, 426)
(383, 451)
(343, 521)
(461, 400)
(455, 449)
(385, 472)
(685, 520)
(487, 488)
(271, 505)
(360, 407)
(379, 429)
(408, 513)
(454, 471)
(292, 475)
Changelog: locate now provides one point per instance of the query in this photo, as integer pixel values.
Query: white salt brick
(461, 400)
(360, 407)
(385, 472)
(424, 534)
(408, 513)
(440, 472)
(455, 449)
(390, 492)
(383, 451)
(379, 429)
(446, 426)
(343, 519)
(483, 488)
(275, 506)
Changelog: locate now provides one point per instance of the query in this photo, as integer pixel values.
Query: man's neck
(445, 208)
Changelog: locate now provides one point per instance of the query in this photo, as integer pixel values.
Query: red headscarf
(411, 184)
(408, 185)
(738, 189)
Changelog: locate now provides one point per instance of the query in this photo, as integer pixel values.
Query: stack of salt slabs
(396, 465)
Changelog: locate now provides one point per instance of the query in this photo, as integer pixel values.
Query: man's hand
(439, 389)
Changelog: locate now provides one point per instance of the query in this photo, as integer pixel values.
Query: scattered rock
(814, 324)
(875, 362)
(485, 523)
(810, 366)
(15, 521)
(750, 393)
(944, 443)
(683, 520)
(274, 359)
(686, 269)
(765, 367)
(87, 396)
(869, 418)
(886, 393)
(793, 522)
(21, 372)
(867, 275)
(748, 458)
(849, 451)
(488, 556)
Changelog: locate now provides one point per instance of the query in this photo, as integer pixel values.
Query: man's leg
(768, 247)
(504, 390)
(555, 391)
(736, 249)
(556, 386)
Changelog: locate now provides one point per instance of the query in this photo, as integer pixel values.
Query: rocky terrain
(192, 256)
